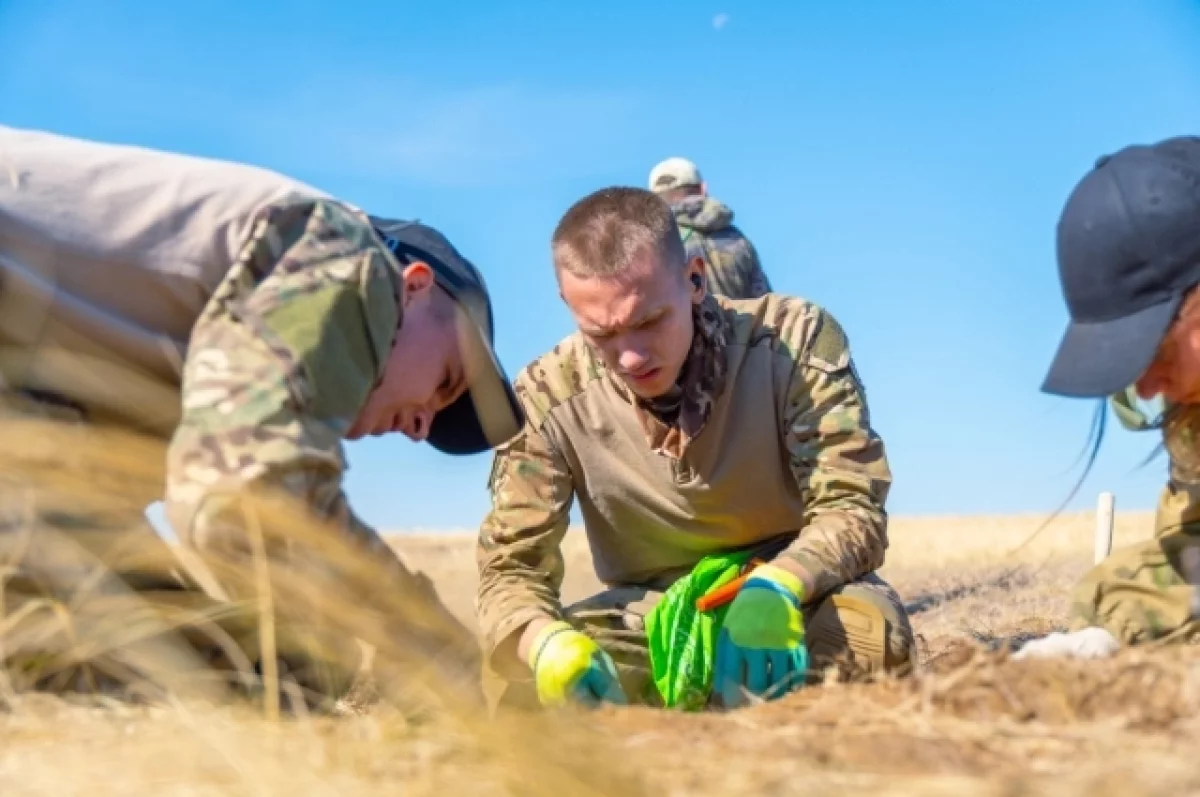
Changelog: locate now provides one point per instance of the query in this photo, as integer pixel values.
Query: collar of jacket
(673, 420)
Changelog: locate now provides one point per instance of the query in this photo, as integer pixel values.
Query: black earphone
(697, 281)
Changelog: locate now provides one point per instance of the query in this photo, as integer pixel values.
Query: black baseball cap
(1128, 246)
(488, 413)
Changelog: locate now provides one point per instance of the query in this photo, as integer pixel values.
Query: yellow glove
(569, 665)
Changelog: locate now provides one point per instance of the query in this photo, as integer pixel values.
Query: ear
(418, 280)
(697, 276)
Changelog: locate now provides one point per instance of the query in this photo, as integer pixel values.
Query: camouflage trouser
(94, 600)
(858, 629)
(1143, 593)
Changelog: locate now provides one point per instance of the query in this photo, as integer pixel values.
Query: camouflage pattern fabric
(833, 457)
(836, 457)
(734, 270)
(858, 630)
(1151, 591)
(279, 364)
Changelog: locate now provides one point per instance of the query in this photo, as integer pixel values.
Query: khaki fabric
(1150, 591)
(108, 255)
(859, 629)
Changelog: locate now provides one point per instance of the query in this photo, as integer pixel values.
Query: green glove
(569, 665)
(761, 647)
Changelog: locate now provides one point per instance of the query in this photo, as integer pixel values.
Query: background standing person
(706, 226)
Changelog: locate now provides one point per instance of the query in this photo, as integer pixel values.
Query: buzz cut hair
(604, 233)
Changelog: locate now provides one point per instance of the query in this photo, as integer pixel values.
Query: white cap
(674, 173)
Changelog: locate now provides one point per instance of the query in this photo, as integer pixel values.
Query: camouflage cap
(674, 173)
(488, 413)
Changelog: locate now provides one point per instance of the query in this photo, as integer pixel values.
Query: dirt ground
(972, 722)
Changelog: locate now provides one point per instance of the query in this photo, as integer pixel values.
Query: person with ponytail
(1128, 249)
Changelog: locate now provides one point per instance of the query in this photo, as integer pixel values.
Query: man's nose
(632, 359)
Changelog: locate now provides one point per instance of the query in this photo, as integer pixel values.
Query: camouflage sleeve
(278, 366)
(757, 283)
(519, 552)
(838, 461)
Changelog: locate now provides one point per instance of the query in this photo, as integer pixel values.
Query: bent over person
(685, 426)
(1128, 246)
(250, 323)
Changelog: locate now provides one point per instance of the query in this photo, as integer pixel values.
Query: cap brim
(1096, 360)
(487, 414)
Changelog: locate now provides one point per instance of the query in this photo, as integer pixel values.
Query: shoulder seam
(552, 400)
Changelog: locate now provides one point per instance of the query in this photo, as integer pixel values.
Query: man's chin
(650, 390)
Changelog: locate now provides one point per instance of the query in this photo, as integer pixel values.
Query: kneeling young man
(685, 425)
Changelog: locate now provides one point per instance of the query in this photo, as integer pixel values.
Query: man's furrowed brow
(633, 321)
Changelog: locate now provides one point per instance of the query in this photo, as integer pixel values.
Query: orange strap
(726, 593)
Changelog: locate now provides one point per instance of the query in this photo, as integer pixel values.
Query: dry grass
(958, 561)
(973, 722)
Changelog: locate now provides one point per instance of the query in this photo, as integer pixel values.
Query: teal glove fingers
(783, 669)
(759, 672)
(570, 666)
(796, 669)
(728, 671)
(799, 658)
(757, 679)
(599, 683)
(761, 648)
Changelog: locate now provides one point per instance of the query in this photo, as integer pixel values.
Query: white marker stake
(1104, 526)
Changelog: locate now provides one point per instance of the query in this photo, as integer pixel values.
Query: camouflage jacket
(706, 226)
(768, 445)
(279, 363)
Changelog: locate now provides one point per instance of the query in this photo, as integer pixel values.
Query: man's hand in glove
(569, 666)
(761, 648)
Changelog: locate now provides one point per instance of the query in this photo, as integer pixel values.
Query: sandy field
(971, 722)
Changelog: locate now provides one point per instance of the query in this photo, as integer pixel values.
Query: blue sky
(902, 164)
